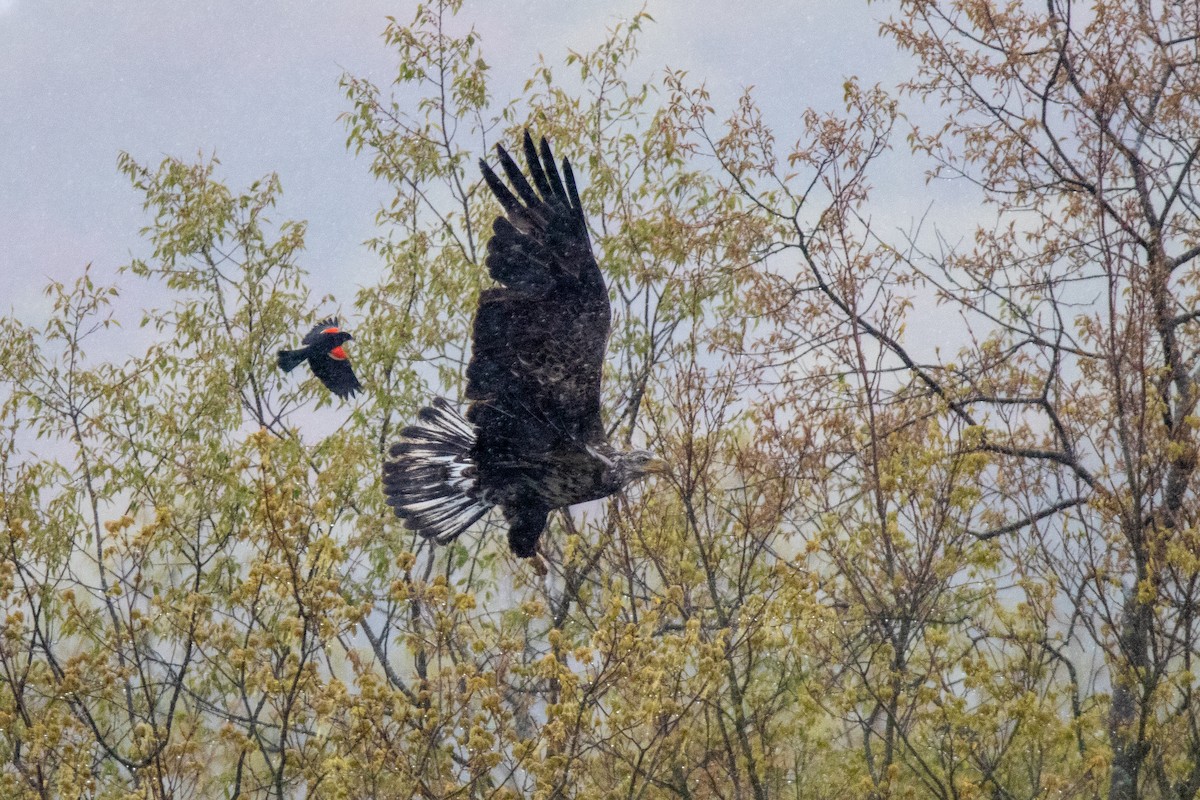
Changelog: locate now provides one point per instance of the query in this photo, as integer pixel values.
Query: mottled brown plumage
(532, 439)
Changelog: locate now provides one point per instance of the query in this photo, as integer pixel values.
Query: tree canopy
(879, 566)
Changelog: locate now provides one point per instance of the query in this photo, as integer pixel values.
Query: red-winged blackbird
(324, 353)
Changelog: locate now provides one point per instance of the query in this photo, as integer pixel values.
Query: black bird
(324, 354)
(532, 439)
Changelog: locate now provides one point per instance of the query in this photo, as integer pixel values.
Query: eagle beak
(655, 466)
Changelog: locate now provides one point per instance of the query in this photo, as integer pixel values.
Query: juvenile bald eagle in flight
(532, 439)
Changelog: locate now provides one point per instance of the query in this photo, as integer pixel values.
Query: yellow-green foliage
(873, 569)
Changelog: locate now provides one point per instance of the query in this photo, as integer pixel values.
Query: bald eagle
(532, 439)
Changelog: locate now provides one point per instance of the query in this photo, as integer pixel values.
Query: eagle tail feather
(429, 478)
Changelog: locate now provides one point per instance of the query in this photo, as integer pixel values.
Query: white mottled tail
(429, 478)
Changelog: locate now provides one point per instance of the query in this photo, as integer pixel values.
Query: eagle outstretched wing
(540, 336)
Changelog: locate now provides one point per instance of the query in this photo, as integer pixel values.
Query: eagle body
(564, 477)
(532, 439)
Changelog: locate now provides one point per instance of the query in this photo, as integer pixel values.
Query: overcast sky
(255, 81)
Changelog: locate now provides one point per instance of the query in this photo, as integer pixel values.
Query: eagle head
(628, 467)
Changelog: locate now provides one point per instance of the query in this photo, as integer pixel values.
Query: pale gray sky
(256, 82)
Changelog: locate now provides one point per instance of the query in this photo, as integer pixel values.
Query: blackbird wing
(328, 325)
(540, 335)
(336, 373)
